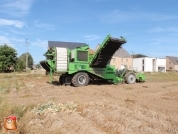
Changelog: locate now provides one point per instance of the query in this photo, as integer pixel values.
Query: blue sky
(150, 26)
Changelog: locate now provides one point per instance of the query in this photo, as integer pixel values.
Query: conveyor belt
(106, 51)
(45, 65)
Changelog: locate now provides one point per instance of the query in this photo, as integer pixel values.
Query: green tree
(38, 66)
(20, 65)
(8, 58)
(21, 62)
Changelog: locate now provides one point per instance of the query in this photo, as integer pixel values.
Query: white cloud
(91, 37)
(13, 41)
(7, 40)
(16, 7)
(36, 48)
(40, 43)
(44, 25)
(4, 33)
(161, 41)
(4, 40)
(21, 42)
(118, 16)
(161, 17)
(17, 32)
(115, 16)
(16, 23)
(159, 29)
(18, 40)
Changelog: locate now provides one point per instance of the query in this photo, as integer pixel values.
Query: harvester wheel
(130, 78)
(65, 79)
(61, 80)
(80, 79)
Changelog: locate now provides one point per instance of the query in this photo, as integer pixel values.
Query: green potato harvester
(78, 66)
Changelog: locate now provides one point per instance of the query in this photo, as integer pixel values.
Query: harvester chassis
(78, 67)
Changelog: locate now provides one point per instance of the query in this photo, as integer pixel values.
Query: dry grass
(123, 115)
(19, 81)
(161, 77)
(97, 117)
(16, 81)
(7, 109)
(10, 82)
(52, 108)
(41, 118)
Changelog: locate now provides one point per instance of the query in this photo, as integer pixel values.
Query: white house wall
(161, 63)
(150, 64)
(137, 64)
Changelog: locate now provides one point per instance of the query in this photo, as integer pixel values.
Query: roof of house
(174, 60)
(122, 53)
(70, 45)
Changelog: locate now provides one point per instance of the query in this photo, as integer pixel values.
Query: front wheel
(80, 79)
(130, 78)
(61, 80)
(65, 79)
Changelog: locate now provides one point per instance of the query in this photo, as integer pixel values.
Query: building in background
(171, 63)
(121, 58)
(148, 64)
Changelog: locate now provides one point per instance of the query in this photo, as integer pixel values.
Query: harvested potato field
(43, 108)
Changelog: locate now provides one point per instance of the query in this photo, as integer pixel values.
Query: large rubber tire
(65, 79)
(130, 78)
(61, 80)
(80, 79)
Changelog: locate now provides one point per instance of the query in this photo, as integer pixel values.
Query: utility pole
(27, 55)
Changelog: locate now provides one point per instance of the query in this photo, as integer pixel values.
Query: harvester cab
(78, 66)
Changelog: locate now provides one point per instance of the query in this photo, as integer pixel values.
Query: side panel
(104, 73)
(77, 67)
(61, 59)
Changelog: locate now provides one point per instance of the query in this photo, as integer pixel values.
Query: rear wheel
(130, 78)
(80, 79)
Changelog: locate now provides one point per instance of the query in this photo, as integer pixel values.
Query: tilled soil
(140, 108)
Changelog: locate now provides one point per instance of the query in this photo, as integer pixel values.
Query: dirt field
(140, 108)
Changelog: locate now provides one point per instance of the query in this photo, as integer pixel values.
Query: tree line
(10, 62)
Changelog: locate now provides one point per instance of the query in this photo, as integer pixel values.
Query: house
(148, 64)
(171, 63)
(121, 58)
